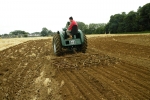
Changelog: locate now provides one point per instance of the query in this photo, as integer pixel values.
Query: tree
(25, 35)
(87, 31)
(100, 28)
(92, 28)
(131, 22)
(144, 14)
(36, 34)
(116, 23)
(19, 33)
(82, 26)
(50, 32)
(44, 31)
(106, 29)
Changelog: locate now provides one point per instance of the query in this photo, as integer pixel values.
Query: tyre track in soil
(74, 77)
(110, 91)
(138, 87)
(118, 85)
(23, 72)
(31, 71)
(132, 73)
(91, 91)
(125, 48)
(67, 87)
(83, 88)
(104, 77)
(125, 85)
(99, 88)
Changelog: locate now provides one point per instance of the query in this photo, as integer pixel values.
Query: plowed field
(114, 67)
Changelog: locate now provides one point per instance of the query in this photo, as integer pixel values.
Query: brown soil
(115, 67)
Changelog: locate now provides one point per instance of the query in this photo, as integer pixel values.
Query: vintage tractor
(77, 43)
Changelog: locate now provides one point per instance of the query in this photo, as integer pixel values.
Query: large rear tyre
(57, 46)
(84, 45)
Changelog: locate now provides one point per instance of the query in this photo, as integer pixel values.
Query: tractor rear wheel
(57, 46)
(84, 45)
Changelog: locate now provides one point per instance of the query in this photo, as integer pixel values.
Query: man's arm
(70, 27)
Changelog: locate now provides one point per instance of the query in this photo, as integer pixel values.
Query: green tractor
(77, 43)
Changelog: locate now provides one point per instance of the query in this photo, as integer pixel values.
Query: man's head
(70, 18)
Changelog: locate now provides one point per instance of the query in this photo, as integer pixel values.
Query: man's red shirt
(72, 24)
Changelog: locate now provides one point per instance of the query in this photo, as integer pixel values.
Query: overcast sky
(33, 15)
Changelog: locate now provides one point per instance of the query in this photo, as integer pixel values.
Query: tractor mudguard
(62, 37)
(82, 36)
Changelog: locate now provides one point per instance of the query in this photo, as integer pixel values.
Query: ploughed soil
(114, 67)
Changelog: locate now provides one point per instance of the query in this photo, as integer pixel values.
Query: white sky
(33, 15)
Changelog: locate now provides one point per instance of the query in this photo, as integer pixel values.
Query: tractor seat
(74, 31)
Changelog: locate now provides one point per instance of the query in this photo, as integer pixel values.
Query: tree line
(131, 22)
(92, 28)
(121, 23)
(20, 33)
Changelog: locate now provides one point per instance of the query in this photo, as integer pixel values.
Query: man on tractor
(72, 23)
